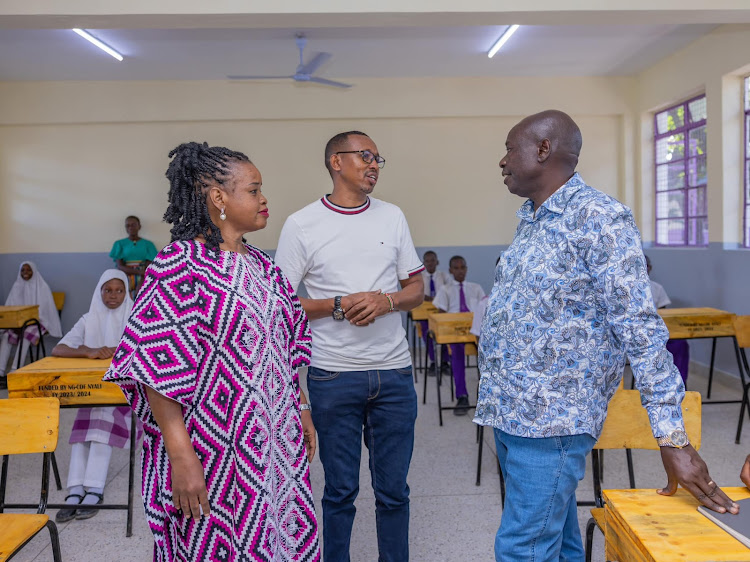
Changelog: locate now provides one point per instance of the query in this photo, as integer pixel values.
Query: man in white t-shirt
(433, 280)
(459, 296)
(357, 261)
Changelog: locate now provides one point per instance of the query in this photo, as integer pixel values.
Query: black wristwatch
(338, 312)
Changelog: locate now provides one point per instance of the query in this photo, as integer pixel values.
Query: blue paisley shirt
(571, 300)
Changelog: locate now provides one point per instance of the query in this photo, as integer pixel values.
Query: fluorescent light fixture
(510, 30)
(106, 48)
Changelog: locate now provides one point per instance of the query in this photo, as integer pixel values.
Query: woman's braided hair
(192, 169)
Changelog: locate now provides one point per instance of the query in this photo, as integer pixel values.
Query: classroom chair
(627, 427)
(59, 298)
(742, 337)
(28, 425)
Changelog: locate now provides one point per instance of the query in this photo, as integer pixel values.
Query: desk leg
(438, 377)
(740, 354)
(424, 376)
(131, 474)
(711, 368)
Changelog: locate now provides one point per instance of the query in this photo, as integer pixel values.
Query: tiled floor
(451, 518)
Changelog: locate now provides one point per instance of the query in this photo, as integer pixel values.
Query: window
(681, 176)
(746, 222)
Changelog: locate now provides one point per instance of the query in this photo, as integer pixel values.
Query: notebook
(736, 525)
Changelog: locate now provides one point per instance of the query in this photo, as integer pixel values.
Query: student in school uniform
(30, 288)
(680, 349)
(95, 430)
(459, 296)
(433, 281)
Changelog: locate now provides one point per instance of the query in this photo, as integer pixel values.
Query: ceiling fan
(304, 72)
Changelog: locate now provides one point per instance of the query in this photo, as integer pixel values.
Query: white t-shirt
(660, 295)
(439, 278)
(339, 251)
(448, 297)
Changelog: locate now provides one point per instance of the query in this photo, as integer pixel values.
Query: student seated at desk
(30, 288)
(680, 349)
(433, 281)
(96, 430)
(459, 296)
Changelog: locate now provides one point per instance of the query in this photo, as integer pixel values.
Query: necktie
(432, 286)
(462, 299)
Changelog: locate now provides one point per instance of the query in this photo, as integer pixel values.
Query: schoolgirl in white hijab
(29, 290)
(96, 430)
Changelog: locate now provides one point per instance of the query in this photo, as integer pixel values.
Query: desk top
(74, 381)
(66, 365)
(671, 528)
(15, 316)
(452, 327)
(423, 311)
(688, 323)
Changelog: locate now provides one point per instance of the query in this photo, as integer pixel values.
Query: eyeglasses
(366, 155)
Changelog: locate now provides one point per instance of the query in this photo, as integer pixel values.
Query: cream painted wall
(69, 176)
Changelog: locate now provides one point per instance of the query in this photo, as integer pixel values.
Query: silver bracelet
(305, 407)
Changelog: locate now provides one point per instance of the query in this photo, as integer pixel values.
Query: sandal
(89, 513)
(68, 514)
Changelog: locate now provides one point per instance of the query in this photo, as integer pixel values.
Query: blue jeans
(540, 518)
(384, 405)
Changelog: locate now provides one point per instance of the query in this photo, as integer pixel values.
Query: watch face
(678, 438)
(338, 314)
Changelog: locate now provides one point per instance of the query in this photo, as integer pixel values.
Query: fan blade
(313, 64)
(260, 77)
(329, 82)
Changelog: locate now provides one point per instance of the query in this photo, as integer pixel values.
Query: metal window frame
(686, 128)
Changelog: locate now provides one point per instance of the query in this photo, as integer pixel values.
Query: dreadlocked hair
(193, 168)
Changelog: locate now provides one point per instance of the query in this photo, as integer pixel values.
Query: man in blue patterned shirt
(571, 301)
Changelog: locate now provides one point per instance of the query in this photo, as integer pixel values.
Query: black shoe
(431, 370)
(89, 513)
(445, 368)
(4, 383)
(68, 514)
(462, 406)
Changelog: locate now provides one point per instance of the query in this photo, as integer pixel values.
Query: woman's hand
(745, 473)
(189, 485)
(308, 433)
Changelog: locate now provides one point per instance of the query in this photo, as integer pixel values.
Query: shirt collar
(555, 203)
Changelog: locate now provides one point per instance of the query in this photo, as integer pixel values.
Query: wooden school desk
(422, 312)
(18, 318)
(641, 525)
(701, 323)
(447, 328)
(77, 383)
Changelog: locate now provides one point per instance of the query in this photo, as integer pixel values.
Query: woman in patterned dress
(209, 362)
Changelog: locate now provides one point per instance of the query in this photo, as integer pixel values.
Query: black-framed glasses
(367, 156)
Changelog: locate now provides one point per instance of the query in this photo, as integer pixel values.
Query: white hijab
(36, 291)
(104, 326)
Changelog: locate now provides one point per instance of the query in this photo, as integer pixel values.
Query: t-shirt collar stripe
(345, 210)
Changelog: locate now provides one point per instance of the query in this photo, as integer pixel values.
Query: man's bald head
(562, 132)
(541, 155)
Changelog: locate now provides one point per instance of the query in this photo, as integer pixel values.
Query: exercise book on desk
(736, 525)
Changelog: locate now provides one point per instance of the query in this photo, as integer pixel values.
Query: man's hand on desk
(686, 467)
(745, 473)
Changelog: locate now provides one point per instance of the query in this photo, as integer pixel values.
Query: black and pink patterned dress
(224, 335)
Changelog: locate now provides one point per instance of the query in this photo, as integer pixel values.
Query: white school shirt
(448, 297)
(439, 277)
(660, 295)
(476, 323)
(339, 251)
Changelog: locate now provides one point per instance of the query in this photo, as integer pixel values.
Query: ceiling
(361, 52)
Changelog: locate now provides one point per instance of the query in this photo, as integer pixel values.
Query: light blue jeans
(540, 518)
